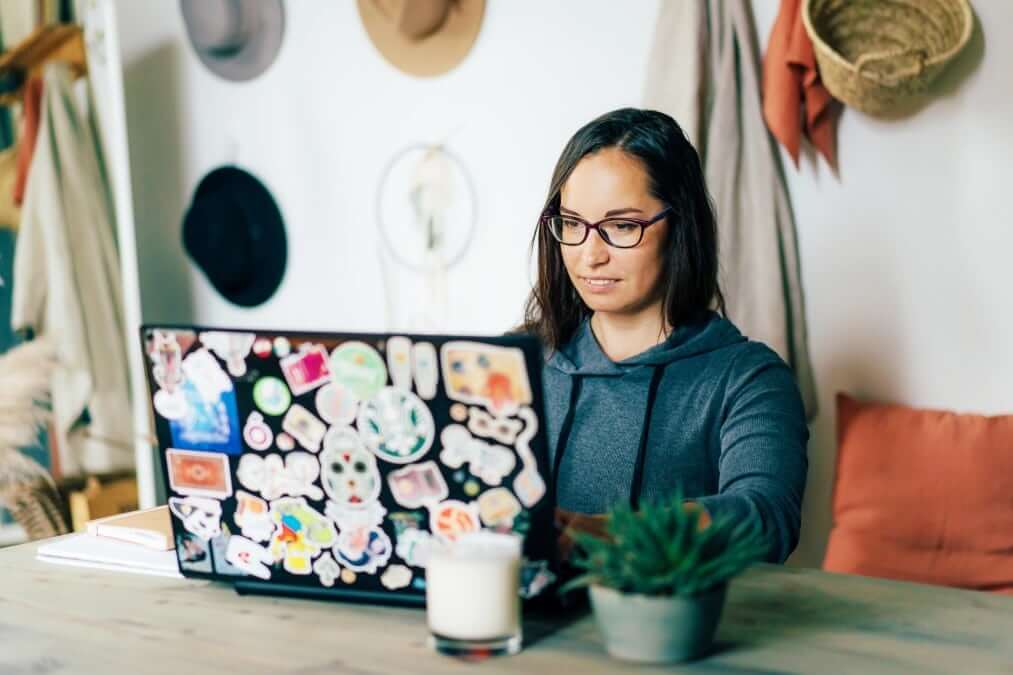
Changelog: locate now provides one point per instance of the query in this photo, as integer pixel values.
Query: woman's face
(611, 280)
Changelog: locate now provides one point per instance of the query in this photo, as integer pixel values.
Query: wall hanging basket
(875, 54)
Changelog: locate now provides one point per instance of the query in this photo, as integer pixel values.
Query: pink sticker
(306, 369)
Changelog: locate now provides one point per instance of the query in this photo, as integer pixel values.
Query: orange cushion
(923, 495)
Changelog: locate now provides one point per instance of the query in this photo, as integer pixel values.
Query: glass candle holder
(473, 606)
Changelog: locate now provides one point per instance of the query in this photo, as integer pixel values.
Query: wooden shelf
(55, 42)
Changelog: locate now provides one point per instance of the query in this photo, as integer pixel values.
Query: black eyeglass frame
(644, 224)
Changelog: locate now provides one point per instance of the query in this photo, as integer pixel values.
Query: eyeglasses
(618, 232)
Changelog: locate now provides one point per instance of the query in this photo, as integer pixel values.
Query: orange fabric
(794, 98)
(29, 132)
(923, 495)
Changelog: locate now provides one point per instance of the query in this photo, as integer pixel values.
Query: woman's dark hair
(689, 277)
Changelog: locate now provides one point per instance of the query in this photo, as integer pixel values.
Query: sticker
(459, 412)
(350, 518)
(327, 570)
(471, 488)
(284, 442)
(250, 557)
(358, 367)
(166, 358)
(256, 433)
(253, 516)
(363, 549)
(491, 463)
(417, 485)
(498, 507)
(419, 583)
(399, 362)
(219, 549)
(406, 520)
(211, 420)
(395, 577)
(233, 348)
(351, 477)
(302, 533)
(201, 516)
(414, 546)
(282, 347)
(535, 578)
(426, 370)
(304, 427)
(262, 348)
(396, 425)
(171, 406)
(459, 476)
(450, 519)
(347, 576)
(274, 477)
(193, 553)
(487, 375)
(529, 486)
(306, 369)
(271, 396)
(200, 474)
(500, 429)
(336, 404)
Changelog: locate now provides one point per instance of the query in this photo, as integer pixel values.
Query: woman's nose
(594, 249)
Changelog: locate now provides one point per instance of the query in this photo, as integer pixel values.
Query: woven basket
(875, 54)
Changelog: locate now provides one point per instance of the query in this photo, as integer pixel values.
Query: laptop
(330, 464)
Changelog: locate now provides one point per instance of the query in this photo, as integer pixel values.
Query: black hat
(233, 231)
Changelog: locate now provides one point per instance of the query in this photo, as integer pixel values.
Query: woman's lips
(599, 284)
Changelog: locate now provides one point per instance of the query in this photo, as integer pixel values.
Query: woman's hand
(568, 522)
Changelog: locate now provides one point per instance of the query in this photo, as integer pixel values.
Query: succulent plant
(664, 548)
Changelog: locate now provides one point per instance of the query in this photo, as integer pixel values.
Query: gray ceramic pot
(657, 629)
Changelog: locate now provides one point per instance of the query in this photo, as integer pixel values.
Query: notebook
(86, 550)
(149, 527)
(330, 464)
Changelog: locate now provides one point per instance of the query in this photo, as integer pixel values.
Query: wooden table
(56, 619)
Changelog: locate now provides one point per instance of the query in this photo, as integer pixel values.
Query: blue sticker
(419, 583)
(219, 545)
(193, 553)
(208, 425)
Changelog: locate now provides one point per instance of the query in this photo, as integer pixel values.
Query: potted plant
(658, 579)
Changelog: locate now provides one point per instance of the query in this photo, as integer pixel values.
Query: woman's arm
(762, 464)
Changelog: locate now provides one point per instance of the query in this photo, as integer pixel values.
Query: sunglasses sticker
(199, 474)
(193, 553)
(359, 368)
(249, 557)
(272, 396)
(302, 533)
(253, 517)
(326, 569)
(528, 485)
(201, 516)
(498, 507)
(304, 427)
(424, 365)
(417, 485)
(306, 369)
(491, 463)
(486, 375)
(395, 577)
(336, 404)
(256, 433)
(274, 477)
(349, 472)
(233, 348)
(396, 426)
(450, 519)
(501, 429)
(399, 362)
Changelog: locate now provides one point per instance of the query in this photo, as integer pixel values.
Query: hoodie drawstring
(636, 484)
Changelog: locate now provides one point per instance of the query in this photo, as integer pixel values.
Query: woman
(648, 388)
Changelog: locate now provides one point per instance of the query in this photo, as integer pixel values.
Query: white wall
(904, 258)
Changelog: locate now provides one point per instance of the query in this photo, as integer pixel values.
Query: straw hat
(422, 37)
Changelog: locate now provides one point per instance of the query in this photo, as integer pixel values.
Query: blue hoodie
(723, 418)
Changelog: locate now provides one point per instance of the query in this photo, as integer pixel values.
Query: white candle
(472, 587)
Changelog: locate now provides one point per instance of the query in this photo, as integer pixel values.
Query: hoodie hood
(582, 355)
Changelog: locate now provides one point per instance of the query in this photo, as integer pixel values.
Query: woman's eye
(626, 226)
(571, 224)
